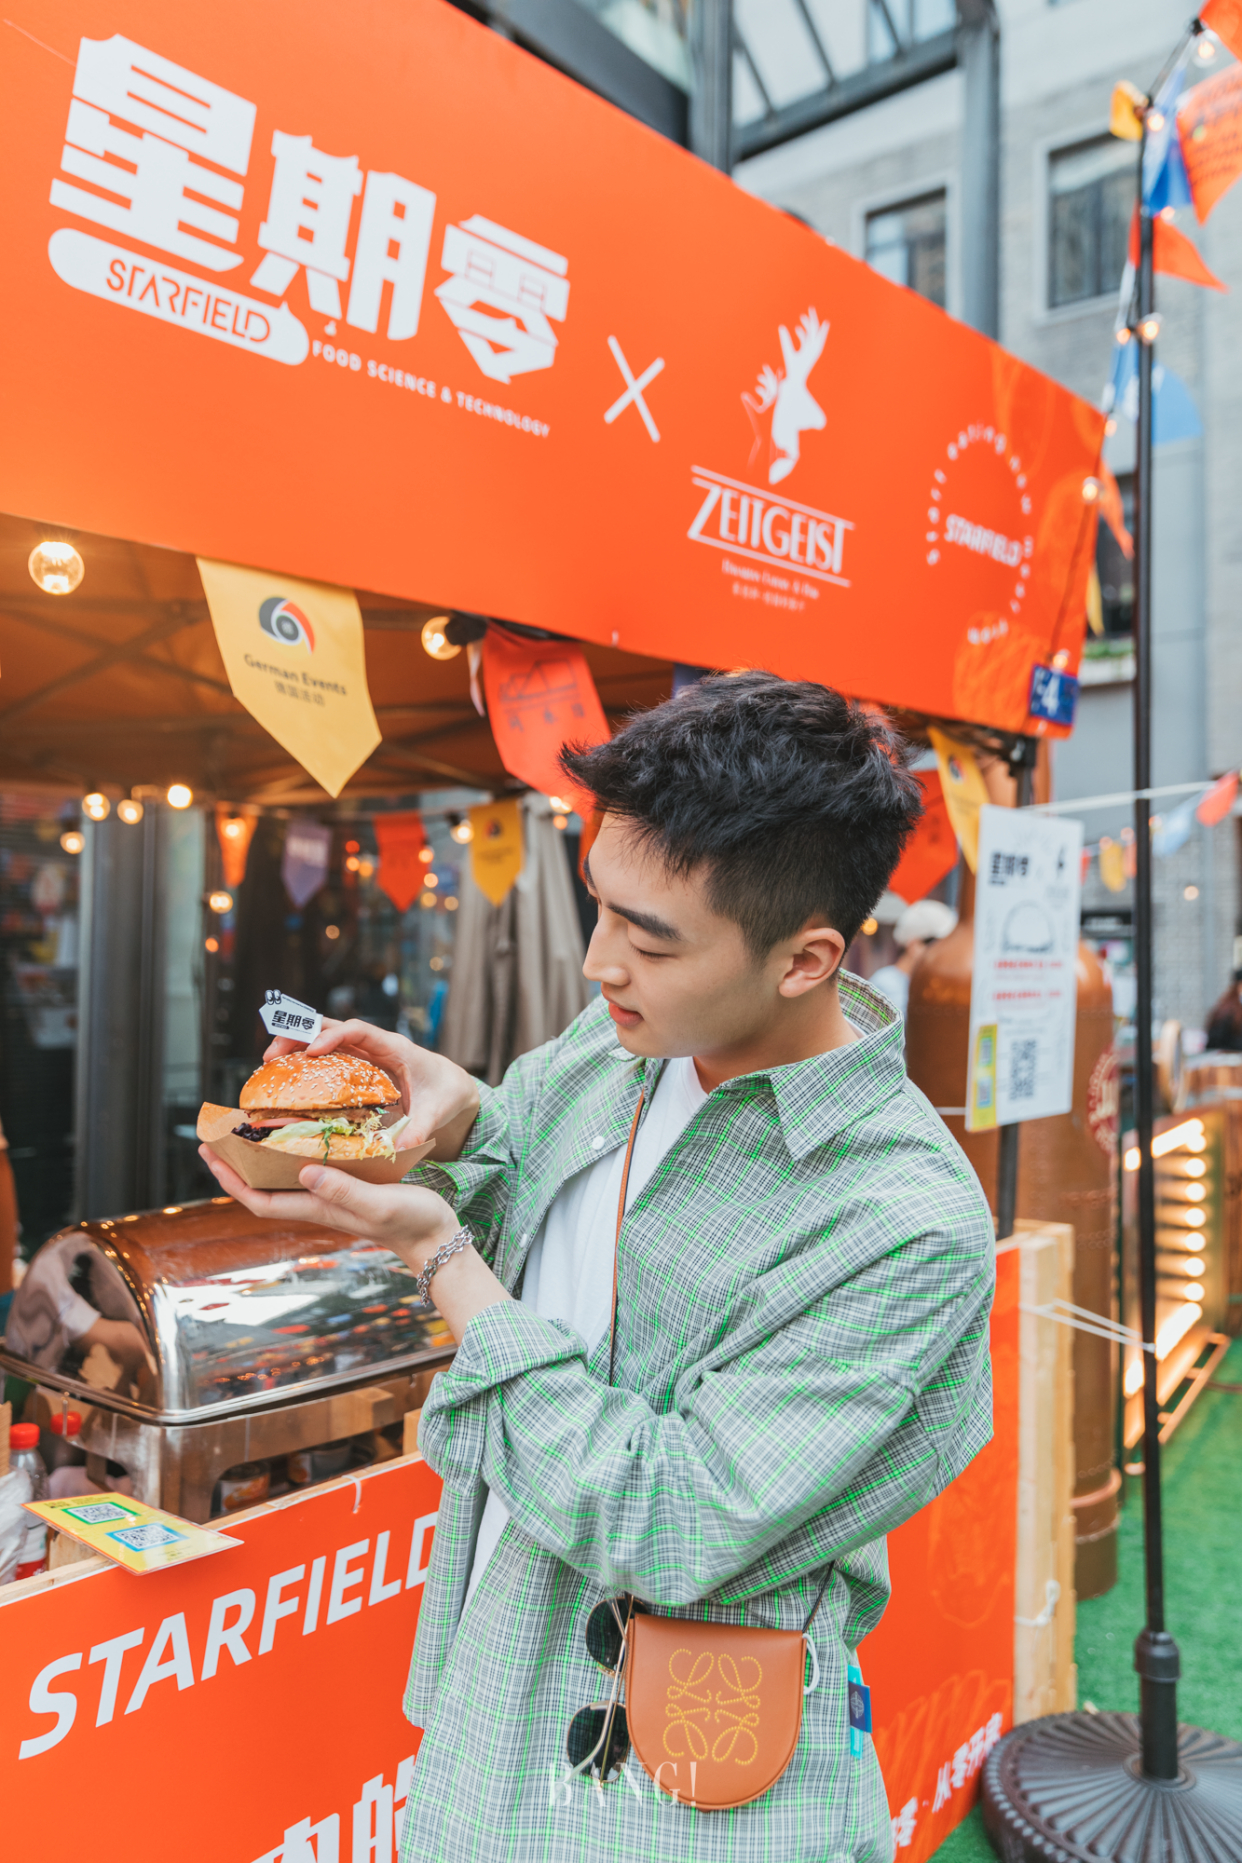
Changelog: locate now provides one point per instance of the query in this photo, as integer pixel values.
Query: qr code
(1022, 1069)
(98, 1513)
(142, 1539)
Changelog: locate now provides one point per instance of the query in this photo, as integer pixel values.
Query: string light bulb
(1155, 121)
(220, 901)
(1205, 48)
(72, 841)
(179, 796)
(869, 927)
(436, 642)
(97, 806)
(1149, 328)
(129, 811)
(211, 944)
(55, 567)
(462, 832)
(427, 855)
(1090, 491)
(233, 827)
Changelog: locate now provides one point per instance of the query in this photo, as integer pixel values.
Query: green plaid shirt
(801, 1364)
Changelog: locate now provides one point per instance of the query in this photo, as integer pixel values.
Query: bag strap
(612, 1344)
(625, 1184)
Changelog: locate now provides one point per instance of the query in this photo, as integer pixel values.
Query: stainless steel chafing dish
(202, 1337)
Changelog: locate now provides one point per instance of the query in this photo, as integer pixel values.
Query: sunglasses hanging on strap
(713, 1711)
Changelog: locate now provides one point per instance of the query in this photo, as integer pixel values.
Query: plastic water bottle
(24, 1454)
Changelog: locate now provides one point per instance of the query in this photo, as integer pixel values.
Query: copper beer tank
(1065, 1175)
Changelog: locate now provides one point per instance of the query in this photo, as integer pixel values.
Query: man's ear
(814, 958)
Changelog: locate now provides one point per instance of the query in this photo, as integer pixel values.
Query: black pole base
(1069, 1788)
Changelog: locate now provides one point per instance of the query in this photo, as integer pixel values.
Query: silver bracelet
(454, 1246)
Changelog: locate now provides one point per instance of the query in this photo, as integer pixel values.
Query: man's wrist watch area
(454, 1246)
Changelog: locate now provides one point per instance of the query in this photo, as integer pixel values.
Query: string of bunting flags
(1209, 803)
(1192, 157)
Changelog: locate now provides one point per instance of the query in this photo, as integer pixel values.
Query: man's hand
(409, 1220)
(441, 1098)
(405, 1218)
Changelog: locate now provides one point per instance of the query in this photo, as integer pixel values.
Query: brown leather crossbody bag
(713, 1710)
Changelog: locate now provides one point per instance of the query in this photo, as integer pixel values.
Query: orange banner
(234, 833)
(443, 324)
(1209, 127)
(540, 696)
(931, 850)
(132, 1696)
(400, 840)
(1173, 253)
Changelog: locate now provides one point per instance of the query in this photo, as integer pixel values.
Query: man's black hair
(796, 802)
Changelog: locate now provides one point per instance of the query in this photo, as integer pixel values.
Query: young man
(803, 1282)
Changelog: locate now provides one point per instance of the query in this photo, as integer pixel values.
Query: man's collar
(815, 1099)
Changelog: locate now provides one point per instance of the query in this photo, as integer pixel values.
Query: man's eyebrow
(645, 921)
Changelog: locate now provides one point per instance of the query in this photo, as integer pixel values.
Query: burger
(322, 1106)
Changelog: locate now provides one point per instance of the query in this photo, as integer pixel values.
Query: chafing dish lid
(182, 1313)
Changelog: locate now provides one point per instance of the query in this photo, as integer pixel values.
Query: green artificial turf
(1202, 1493)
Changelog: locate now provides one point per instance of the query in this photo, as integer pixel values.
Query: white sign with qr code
(285, 1015)
(1024, 990)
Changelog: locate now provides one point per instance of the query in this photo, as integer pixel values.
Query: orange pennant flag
(234, 833)
(931, 850)
(540, 696)
(1225, 19)
(1173, 253)
(1209, 127)
(1112, 510)
(400, 839)
(1218, 800)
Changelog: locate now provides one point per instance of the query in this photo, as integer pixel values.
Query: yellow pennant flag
(294, 655)
(964, 790)
(496, 847)
(1112, 864)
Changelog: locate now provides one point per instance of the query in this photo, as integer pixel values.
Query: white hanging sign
(1024, 990)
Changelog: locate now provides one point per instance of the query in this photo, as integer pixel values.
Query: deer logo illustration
(782, 406)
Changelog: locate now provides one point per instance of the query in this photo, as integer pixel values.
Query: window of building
(894, 24)
(906, 243)
(1091, 200)
(1115, 569)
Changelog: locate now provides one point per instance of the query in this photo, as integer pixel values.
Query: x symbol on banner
(634, 389)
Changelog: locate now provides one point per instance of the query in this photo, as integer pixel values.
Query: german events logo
(285, 622)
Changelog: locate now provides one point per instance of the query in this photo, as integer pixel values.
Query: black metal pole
(1155, 1652)
(1021, 763)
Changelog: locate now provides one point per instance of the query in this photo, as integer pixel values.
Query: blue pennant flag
(1165, 183)
(1174, 830)
(1174, 414)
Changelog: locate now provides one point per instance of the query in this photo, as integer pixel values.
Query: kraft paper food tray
(273, 1170)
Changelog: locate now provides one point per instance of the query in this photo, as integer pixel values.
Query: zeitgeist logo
(749, 520)
(782, 407)
(285, 622)
(163, 156)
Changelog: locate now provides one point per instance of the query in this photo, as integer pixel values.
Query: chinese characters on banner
(1024, 990)
(295, 659)
(540, 696)
(504, 379)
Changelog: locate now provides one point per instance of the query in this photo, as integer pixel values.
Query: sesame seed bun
(301, 1083)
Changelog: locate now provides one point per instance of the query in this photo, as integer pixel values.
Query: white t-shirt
(569, 1269)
